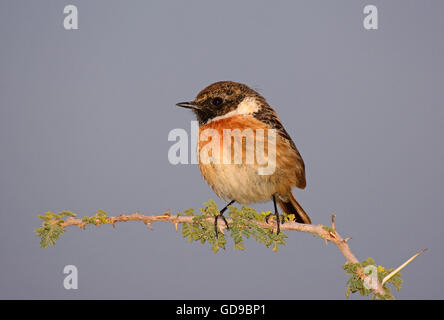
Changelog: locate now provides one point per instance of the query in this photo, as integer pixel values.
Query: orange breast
(234, 134)
(235, 122)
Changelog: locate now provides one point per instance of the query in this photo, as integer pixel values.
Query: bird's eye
(217, 101)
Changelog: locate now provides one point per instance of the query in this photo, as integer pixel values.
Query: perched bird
(231, 105)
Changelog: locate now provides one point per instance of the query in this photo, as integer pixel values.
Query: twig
(318, 230)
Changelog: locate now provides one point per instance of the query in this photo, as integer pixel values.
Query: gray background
(85, 115)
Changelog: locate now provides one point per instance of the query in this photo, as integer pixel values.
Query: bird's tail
(290, 206)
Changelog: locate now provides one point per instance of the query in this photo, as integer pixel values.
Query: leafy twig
(243, 223)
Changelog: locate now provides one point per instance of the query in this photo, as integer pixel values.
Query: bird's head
(223, 98)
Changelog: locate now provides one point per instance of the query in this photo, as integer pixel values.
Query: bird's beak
(188, 105)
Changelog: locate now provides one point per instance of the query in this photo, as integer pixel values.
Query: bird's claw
(215, 223)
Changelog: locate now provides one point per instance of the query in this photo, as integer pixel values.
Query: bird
(229, 105)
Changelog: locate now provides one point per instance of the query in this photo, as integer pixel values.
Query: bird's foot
(216, 229)
(278, 222)
(281, 217)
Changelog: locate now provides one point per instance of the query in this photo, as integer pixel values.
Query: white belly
(240, 182)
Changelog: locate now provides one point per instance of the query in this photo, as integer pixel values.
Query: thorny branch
(329, 234)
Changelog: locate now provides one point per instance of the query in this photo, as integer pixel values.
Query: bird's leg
(279, 219)
(276, 213)
(221, 214)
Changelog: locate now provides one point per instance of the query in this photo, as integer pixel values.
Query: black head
(218, 99)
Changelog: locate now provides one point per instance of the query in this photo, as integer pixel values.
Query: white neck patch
(247, 106)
